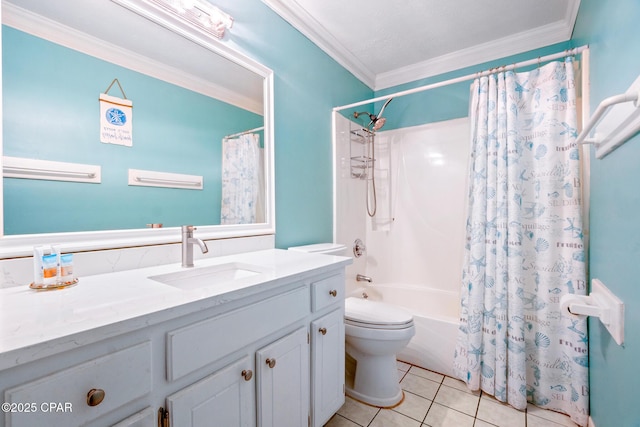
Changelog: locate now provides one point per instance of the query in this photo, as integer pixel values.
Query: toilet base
(372, 379)
(387, 403)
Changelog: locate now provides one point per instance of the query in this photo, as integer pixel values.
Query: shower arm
(372, 117)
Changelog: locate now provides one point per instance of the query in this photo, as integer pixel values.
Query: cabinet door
(225, 398)
(145, 418)
(327, 375)
(283, 381)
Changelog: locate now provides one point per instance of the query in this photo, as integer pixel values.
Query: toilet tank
(322, 248)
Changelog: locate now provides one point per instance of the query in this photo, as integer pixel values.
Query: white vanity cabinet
(272, 356)
(283, 381)
(327, 361)
(327, 348)
(81, 393)
(225, 398)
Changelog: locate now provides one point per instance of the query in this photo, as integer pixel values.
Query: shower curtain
(242, 180)
(524, 244)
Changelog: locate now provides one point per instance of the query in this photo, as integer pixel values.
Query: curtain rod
(244, 132)
(538, 60)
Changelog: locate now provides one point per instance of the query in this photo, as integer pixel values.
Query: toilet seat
(376, 315)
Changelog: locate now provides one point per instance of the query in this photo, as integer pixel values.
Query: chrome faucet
(187, 245)
(362, 278)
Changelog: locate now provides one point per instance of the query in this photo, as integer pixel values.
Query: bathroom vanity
(242, 340)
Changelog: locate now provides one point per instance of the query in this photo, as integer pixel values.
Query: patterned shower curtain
(242, 180)
(524, 244)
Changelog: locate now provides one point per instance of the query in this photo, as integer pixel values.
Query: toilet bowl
(375, 332)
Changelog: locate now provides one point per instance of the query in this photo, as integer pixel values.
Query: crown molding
(42, 27)
(514, 44)
(525, 41)
(309, 27)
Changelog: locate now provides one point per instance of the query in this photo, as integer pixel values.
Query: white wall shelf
(616, 120)
(19, 167)
(147, 178)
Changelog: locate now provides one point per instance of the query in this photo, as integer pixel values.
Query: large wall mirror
(201, 118)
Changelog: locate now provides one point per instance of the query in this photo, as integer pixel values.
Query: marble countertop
(37, 324)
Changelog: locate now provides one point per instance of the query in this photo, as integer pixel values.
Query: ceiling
(386, 43)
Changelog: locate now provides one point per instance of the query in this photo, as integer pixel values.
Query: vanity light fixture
(198, 13)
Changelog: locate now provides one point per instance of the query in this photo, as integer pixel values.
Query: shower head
(376, 121)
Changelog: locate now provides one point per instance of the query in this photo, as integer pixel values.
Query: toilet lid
(376, 314)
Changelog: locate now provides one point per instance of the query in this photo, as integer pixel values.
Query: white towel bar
(616, 120)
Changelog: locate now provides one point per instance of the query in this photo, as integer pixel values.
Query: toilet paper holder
(601, 303)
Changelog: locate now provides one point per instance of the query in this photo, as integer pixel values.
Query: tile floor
(433, 400)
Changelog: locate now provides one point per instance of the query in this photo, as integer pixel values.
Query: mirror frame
(14, 246)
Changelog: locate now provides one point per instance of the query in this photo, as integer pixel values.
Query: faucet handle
(188, 228)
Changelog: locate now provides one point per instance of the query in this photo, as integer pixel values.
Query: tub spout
(362, 278)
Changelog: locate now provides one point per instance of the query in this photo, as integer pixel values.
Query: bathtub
(436, 318)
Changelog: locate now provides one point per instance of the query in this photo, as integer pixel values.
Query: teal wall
(448, 102)
(610, 27)
(308, 84)
(50, 105)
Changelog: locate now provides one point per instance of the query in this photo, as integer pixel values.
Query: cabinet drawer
(327, 291)
(61, 399)
(196, 346)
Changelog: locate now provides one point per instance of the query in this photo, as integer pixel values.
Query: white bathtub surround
(416, 261)
(525, 246)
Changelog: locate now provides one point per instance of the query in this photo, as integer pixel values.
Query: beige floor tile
(390, 418)
(480, 423)
(556, 417)
(425, 373)
(459, 385)
(338, 421)
(447, 402)
(414, 406)
(401, 374)
(500, 414)
(357, 412)
(402, 366)
(458, 400)
(533, 421)
(420, 386)
(441, 416)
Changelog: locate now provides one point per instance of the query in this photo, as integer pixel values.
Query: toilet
(375, 332)
(322, 248)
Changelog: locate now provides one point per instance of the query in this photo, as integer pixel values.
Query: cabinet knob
(95, 396)
(271, 362)
(247, 374)
(323, 331)
(333, 293)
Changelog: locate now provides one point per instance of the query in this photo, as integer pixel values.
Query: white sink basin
(195, 278)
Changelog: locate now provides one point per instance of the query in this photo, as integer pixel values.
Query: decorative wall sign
(116, 118)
